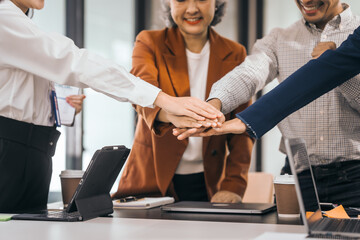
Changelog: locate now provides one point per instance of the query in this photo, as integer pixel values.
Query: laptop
(222, 208)
(316, 224)
(91, 198)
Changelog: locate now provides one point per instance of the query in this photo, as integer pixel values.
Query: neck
(339, 9)
(195, 43)
(23, 8)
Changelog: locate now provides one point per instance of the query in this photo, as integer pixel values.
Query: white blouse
(31, 60)
(198, 65)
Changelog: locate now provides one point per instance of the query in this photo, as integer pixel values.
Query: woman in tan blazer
(183, 60)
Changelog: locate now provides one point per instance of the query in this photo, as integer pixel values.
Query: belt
(41, 138)
(334, 168)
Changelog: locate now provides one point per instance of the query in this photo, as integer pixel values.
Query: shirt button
(321, 112)
(321, 138)
(51, 143)
(324, 37)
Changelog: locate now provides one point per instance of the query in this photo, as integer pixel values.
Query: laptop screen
(301, 169)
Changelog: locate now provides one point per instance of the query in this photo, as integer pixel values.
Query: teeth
(311, 8)
(192, 19)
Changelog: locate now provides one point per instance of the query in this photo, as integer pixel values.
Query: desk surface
(152, 224)
(127, 228)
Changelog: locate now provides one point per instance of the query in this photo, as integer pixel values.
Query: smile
(311, 9)
(193, 20)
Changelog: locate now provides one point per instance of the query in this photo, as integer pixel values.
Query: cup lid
(284, 179)
(71, 173)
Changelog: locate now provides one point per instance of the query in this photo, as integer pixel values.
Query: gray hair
(220, 6)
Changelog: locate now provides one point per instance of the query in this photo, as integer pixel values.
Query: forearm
(239, 85)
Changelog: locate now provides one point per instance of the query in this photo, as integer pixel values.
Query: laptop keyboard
(63, 215)
(340, 225)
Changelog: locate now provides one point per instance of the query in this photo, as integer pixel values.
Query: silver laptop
(208, 207)
(316, 224)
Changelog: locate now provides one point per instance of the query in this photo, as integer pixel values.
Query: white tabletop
(127, 228)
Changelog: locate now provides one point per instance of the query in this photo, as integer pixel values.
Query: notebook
(91, 198)
(316, 224)
(208, 207)
(142, 203)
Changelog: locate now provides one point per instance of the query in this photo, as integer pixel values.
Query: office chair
(260, 188)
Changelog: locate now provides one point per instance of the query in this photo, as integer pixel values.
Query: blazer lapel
(176, 62)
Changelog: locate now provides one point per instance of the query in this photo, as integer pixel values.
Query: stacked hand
(193, 117)
(188, 112)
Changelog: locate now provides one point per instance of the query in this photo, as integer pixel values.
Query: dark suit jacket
(314, 79)
(159, 58)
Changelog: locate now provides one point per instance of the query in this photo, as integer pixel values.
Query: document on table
(143, 203)
(66, 111)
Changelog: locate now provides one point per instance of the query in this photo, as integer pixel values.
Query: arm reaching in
(311, 81)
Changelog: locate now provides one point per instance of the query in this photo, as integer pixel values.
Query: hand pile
(193, 117)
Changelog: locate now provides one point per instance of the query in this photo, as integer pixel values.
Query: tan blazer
(159, 58)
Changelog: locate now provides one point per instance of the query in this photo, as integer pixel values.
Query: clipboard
(66, 111)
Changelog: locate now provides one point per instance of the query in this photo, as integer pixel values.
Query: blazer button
(213, 152)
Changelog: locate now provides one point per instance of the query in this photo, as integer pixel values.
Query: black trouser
(25, 165)
(190, 187)
(339, 183)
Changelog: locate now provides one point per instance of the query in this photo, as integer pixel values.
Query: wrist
(215, 102)
(162, 116)
(160, 99)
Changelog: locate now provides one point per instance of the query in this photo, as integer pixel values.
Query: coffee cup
(69, 181)
(286, 200)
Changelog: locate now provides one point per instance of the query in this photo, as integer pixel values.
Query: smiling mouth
(311, 9)
(193, 21)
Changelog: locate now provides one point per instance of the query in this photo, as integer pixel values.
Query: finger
(187, 134)
(190, 124)
(77, 102)
(178, 131)
(199, 116)
(207, 110)
(208, 133)
(206, 123)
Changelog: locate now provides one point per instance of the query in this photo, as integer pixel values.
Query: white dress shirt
(31, 60)
(198, 64)
(330, 124)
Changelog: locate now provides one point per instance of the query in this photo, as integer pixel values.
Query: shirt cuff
(147, 93)
(249, 129)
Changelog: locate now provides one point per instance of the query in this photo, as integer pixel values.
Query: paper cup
(69, 181)
(286, 200)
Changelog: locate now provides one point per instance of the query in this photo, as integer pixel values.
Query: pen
(128, 199)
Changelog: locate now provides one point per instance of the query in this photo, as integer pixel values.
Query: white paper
(144, 203)
(67, 112)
